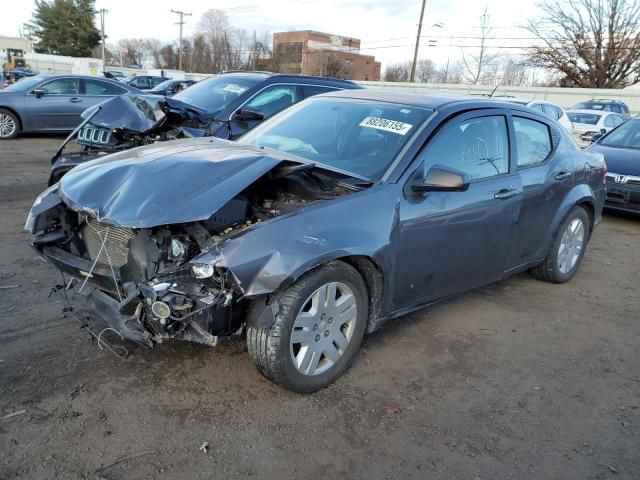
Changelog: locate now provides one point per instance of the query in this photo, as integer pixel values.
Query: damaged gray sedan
(328, 219)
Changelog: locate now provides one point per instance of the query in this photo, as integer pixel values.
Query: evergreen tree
(65, 27)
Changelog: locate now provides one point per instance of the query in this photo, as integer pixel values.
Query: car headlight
(31, 218)
(203, 270)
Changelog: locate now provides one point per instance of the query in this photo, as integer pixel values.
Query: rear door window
(533, 141)
(97, 87)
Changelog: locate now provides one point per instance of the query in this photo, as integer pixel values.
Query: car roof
(595, 112)
(271, 76)
(431, 101)
(48, 76)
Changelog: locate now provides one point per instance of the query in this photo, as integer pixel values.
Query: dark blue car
(621, 150)
(53, 102)
(339, 213)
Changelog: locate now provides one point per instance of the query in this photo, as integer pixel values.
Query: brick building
(315, 53)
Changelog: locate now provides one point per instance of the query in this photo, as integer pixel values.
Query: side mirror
(596, 136)
(603, 131)
(245, 114)
(39, 93)
(440, 179)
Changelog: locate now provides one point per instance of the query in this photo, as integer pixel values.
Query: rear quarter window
(310, 90)
(533, 141)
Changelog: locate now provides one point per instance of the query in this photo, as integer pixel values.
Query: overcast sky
(387, 28)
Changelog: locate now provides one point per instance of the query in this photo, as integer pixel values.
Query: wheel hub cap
(323, 328)
(571, 245)
(7, 125)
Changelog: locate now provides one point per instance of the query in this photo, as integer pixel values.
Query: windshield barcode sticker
(234, 88)
(387, 125)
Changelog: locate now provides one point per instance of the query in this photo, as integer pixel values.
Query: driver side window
(62, 86)
(273, 99)
(478, 147)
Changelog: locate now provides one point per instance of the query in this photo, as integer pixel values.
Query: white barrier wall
(566, 97)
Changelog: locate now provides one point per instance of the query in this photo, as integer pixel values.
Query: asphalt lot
(519, 380)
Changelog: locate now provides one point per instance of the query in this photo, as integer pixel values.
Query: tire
(9, 125)
(558, 268)
(317, 360)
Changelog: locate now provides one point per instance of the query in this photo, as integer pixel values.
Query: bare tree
(476, 64)
(169, 56)
(426, 71)
(593, 43)
(151, 48)
(131, 50)
(398, 72)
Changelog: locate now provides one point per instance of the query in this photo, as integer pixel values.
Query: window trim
(461, 117)
(518, 167)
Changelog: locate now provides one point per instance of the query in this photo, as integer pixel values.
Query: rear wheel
(317, 331)
(567, 250)
(9, 125)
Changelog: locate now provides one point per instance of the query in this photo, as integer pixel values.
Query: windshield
(358, 136)
(626, 135)
(163, 86)
(24, 84)
(586, 118)
(215, 94)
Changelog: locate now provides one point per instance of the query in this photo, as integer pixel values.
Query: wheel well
(591, 212)
(15, 113)
(374, 281)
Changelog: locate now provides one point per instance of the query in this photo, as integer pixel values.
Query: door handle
(506, 193)
(562, 176)
(75, 100)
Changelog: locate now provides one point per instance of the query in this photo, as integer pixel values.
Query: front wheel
(567, 249)
(317, 331)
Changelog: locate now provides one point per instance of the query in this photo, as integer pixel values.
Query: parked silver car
(53, 103)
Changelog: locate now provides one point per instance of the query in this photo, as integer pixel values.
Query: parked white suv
(587, 123)
(551, 110)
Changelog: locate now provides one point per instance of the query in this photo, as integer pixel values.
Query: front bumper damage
(123, 292)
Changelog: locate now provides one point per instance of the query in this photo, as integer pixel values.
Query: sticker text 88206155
(387, 125)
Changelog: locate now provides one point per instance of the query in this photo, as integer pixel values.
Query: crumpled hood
(139, 113)
(625, 161)
(174, 182)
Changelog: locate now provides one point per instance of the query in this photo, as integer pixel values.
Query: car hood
(163, 184)
(625, 161)
(139, 113)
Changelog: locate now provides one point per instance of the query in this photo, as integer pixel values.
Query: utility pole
(102, 13)
(255, 50)
(181, 22)
(415, 53)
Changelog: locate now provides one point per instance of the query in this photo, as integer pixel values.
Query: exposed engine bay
(141, 281)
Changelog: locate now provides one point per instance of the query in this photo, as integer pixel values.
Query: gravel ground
(519, 380)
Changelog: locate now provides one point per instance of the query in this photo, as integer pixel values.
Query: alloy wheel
(7, 125)
(571, 245)
(323, 328)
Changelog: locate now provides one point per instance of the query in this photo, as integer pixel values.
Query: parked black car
(224, 106)
(170, 87)
(144, 82)
(339, 213)
(621, 150)
(615, 106)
